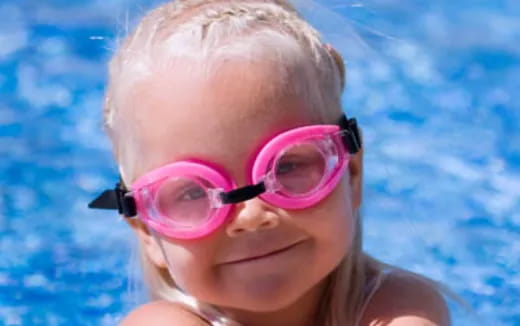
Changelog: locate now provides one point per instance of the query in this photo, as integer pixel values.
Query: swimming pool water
(434, 85)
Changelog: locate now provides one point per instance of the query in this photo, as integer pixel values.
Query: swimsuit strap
(204, 311)
(371, 286)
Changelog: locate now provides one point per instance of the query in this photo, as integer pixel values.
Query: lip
(262, 255)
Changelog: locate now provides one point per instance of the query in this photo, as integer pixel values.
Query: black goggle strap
(242, 194)
(117, 198)
(120, 199)
(351, 136)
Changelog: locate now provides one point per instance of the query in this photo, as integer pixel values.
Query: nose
(251, 216)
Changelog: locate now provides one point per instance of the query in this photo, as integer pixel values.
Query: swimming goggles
(191, 199)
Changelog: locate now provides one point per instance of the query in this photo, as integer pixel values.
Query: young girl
(241, 176)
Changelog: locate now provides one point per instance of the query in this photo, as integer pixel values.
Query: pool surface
(434, 84)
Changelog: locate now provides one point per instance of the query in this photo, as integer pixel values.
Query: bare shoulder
(162, 313)
(405, 299)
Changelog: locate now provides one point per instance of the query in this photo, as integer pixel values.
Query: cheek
(344, 216)
(332, 222)
(190, 265)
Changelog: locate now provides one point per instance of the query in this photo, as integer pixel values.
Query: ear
(150, 243)
(356, 178)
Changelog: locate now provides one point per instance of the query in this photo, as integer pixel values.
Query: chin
(272, 294)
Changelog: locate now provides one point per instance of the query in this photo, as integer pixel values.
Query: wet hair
(207, 33)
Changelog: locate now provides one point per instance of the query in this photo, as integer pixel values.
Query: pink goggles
(191, 199)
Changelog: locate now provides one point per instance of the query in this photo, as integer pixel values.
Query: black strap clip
(117, 198)
(351, 136)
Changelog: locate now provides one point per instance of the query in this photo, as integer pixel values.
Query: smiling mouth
(272, 253)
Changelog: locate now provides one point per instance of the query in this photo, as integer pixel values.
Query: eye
(289, 166)
(300, 168)
(192, 193)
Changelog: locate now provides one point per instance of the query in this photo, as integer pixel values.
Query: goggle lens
(183, 202)
(300, 169)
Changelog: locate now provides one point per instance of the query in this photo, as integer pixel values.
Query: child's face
(175, 116)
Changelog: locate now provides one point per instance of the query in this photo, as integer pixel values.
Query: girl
(241, 176)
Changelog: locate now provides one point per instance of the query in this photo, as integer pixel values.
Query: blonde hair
(209, 31)
(204, 34)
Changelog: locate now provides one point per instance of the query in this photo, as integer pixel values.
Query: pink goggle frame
(191, 199)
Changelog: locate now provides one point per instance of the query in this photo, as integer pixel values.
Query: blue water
(433, 83)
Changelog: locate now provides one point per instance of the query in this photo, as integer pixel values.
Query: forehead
(180, 114)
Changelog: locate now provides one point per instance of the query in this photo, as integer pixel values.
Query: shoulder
(407, 299)
(162, 313)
